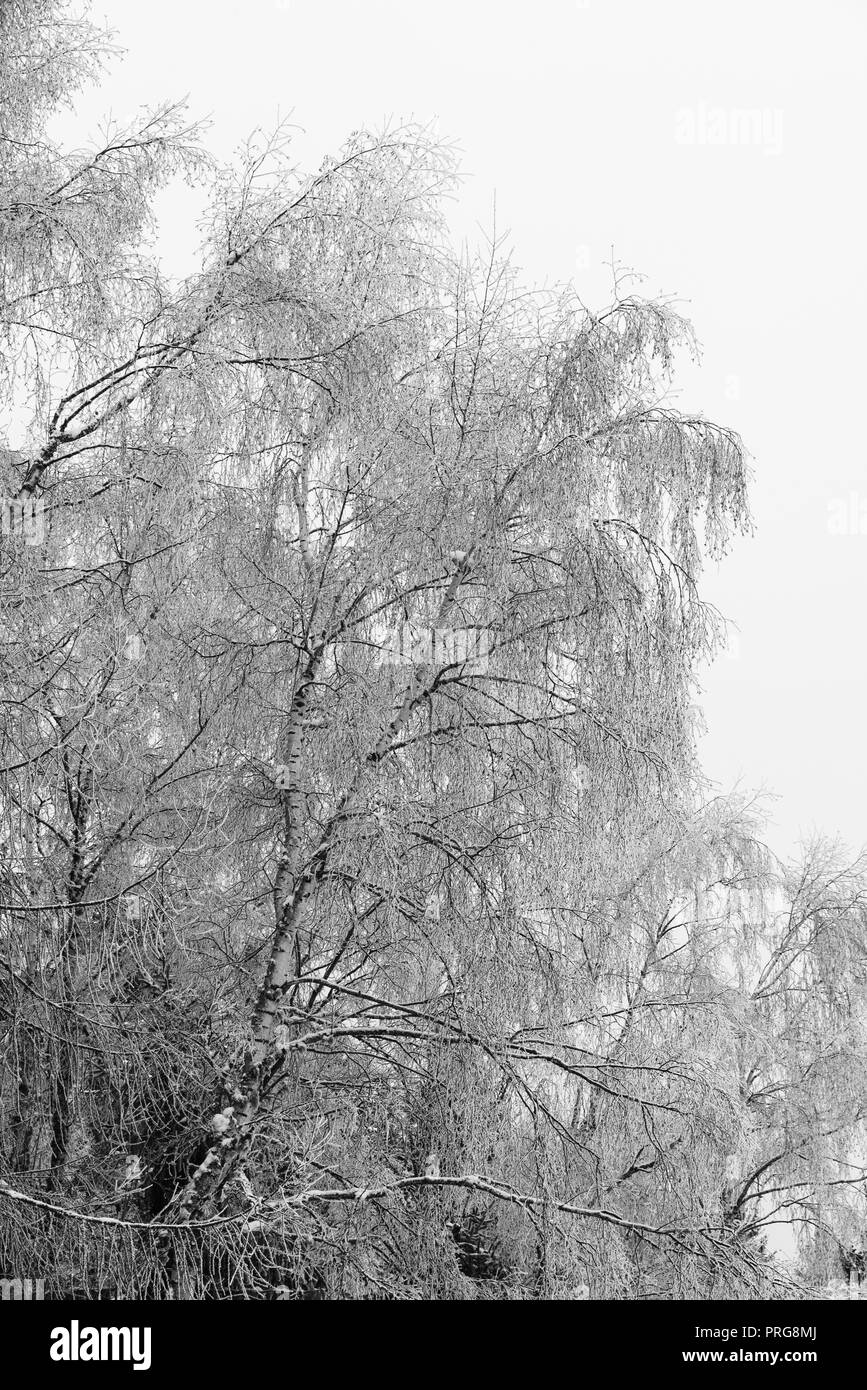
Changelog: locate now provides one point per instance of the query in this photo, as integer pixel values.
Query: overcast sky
(718, 149)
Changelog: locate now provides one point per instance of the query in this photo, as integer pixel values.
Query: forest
(368, 927)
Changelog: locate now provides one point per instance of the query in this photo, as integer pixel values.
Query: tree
(350, 796)
(802, 1058)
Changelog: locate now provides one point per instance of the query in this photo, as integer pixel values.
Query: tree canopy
(367, 927)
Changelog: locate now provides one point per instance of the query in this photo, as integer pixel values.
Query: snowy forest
(368, 927)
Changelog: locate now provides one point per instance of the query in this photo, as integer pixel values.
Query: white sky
(572, 113)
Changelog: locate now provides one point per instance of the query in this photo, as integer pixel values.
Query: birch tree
(350, 794)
